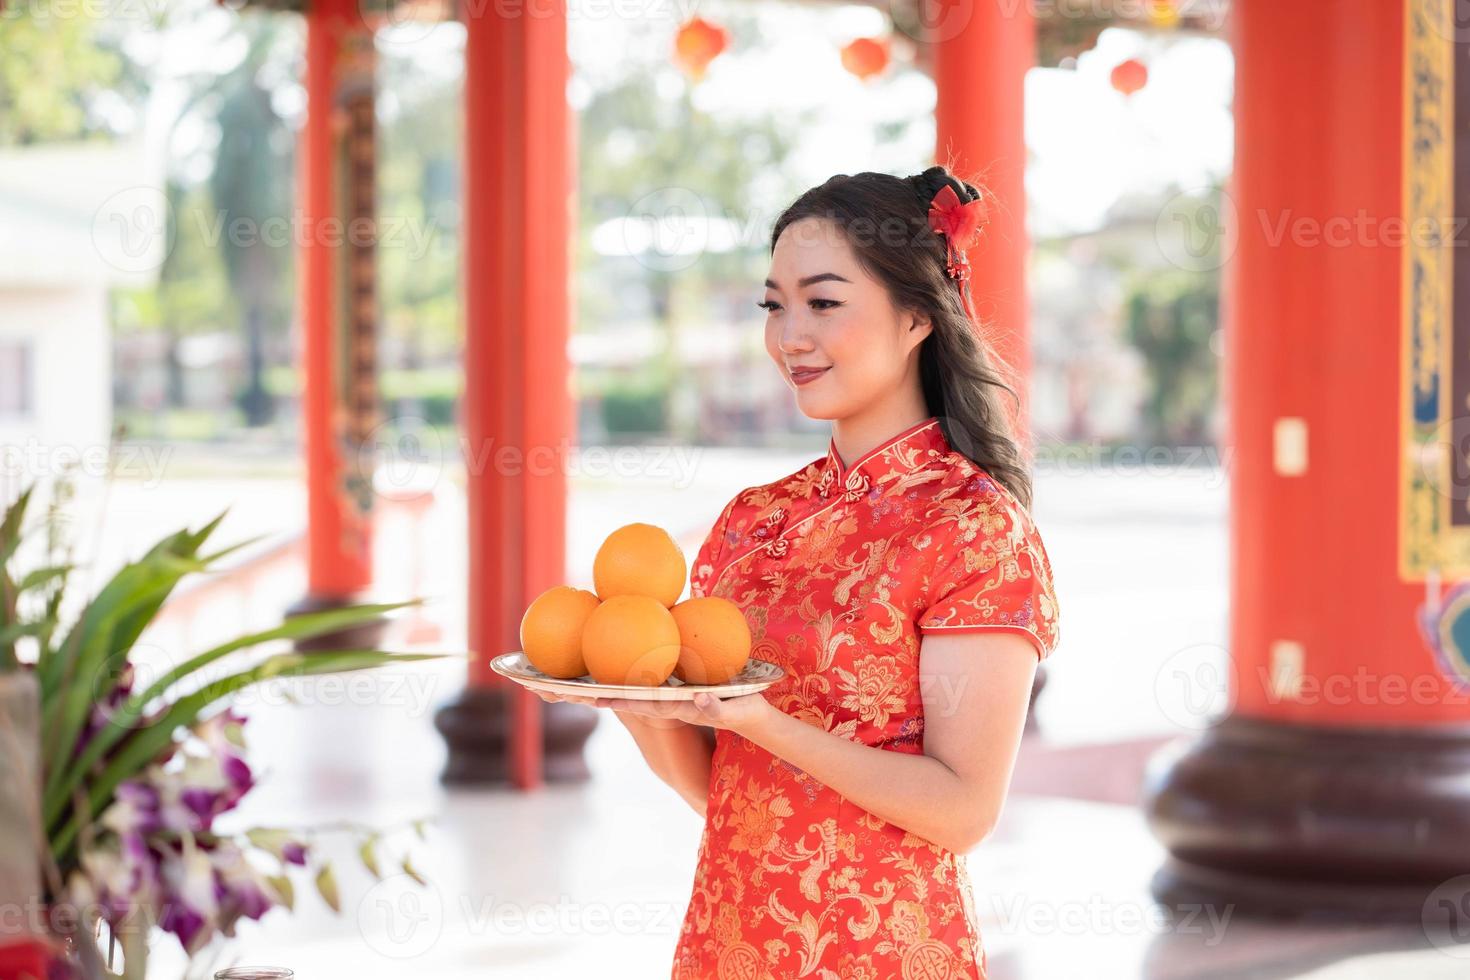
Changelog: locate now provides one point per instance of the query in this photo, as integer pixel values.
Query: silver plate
(756, 676)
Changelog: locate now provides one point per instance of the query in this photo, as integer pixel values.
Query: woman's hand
(574, 698)
(738, 714)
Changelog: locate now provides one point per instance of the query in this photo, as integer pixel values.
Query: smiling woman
(902, 586)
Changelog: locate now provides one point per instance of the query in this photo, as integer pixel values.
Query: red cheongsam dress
(839, 569)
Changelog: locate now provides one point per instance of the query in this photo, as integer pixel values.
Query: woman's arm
(678, 753)
(975, 685)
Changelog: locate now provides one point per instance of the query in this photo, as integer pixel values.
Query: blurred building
(75, 220)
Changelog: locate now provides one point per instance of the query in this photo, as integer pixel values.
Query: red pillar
(338, 306)
(981, 54)
(518, 412)
(1340, 780)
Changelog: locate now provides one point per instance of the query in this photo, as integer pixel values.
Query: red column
(1339, 781)
(981, 53)
(337, 304)
(518, 412)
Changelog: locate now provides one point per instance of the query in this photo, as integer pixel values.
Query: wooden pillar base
(476, 727)
(1306, 822)
(363, 636)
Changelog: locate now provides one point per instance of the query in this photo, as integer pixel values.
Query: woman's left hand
(738, 714)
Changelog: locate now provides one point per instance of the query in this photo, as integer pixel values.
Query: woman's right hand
(627, 717)
(574, 698)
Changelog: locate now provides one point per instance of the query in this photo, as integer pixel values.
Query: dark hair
(885, 220)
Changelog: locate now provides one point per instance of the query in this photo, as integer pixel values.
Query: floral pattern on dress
(840, 570)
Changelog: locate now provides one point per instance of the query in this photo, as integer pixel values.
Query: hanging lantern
(1163, 13)
(866, 57)
(697, 43)
(1129, 76)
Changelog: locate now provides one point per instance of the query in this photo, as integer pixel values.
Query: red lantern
(866, 57)
(1130, 76)
(697, 43)
(1163, 13)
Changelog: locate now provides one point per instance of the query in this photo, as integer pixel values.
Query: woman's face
(825, 313)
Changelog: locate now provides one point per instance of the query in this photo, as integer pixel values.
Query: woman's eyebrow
(803, 283)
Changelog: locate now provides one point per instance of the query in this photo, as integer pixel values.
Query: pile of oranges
(634, 629)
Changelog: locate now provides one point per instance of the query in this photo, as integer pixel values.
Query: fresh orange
(714, 640)
(640, 559)
(551, 630)
(630, 639)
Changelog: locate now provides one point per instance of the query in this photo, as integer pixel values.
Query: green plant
(132, 778)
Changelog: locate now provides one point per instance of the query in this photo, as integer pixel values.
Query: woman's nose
(795, 337)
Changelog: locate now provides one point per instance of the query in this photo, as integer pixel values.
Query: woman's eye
(771, 306)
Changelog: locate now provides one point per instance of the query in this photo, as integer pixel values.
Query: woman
(900, 582)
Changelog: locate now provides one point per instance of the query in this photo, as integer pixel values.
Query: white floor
(592, 879)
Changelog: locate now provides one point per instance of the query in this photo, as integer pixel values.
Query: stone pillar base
(363, 636)
(476, 726)
(1300, 821)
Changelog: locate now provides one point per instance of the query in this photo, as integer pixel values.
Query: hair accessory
(959, 223)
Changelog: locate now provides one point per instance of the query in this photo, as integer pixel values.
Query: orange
(630, 639)
(714, 640)
(640, 559)
(551, 630)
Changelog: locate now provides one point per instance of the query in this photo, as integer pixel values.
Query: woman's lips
(803, 375)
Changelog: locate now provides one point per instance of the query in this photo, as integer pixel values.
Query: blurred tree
(419, 208)
(648, 152)
(52, 67)
(191, 295)
(1172, 320)
(251, 188)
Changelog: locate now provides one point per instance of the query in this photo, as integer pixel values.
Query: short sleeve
(1000, 580)
(706, 563)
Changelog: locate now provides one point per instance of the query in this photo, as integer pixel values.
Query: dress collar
(906, 451)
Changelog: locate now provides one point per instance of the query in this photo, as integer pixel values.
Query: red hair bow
(960, 226)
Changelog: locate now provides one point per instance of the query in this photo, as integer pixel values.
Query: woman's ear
(918, 325)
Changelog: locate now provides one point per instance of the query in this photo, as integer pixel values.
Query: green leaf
(10, 525)
(272, 839)
(101, 646)
(42, 577)
(285, 891)
(326, 886)
(369, 859)
(145, 745)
